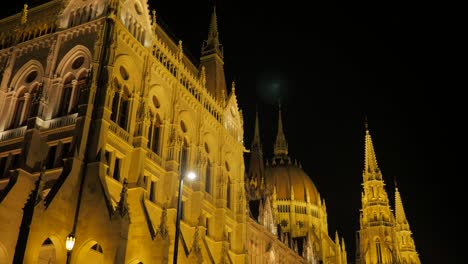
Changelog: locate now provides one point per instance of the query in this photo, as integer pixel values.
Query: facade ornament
(181, 51)
(162, 229)
(24, 14)
(122, 207)
(195, 255)
(153, 21)
(203, 76)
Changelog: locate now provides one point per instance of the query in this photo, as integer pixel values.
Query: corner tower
(212, 60)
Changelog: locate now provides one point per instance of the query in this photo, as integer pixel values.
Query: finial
(153, 20)
(181, 50)
(365, 123)
(233, 86)
(203, 76)
(24, 15)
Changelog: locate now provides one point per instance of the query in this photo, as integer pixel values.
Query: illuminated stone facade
(384, 237)
(101, 114)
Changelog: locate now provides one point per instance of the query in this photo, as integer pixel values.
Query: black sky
(332, 64)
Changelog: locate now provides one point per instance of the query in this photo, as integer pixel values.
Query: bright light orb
(191, 175)
(70, 242)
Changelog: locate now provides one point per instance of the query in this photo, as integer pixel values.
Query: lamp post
(69, 243)
(190, 176)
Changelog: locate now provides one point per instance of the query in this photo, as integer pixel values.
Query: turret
(212, 59)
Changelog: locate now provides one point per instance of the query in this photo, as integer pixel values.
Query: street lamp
(191, 176)
(69, 243)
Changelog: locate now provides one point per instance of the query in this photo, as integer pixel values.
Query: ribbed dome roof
(285, 175)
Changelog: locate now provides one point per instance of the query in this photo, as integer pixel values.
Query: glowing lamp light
(191, 176)
(70, 242)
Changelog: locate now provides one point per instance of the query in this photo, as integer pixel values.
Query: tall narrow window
(66, 97)
(184, 160)
(50, 162)
(228, 194)
(107, 156)
(208, 177)
(80, 85)
(117, 164)
(153, 191)
(3, 168)
(123, 111)
(120, 106)
(115, 104)
(17, 119)
(153, 133)
(379, 251)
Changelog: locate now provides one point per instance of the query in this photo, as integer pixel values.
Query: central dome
(286, 176)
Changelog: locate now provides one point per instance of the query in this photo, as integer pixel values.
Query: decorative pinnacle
(203, 76)
(181, 50)
(153, 20)
(24, 15)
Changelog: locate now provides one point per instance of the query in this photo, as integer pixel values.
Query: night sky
(333, 64)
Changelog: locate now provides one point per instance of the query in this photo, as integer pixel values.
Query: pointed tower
(256, 166)
(281, 146)
(376, 239)
(405, 244)
(212, 59)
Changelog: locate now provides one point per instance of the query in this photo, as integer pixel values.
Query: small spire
(162, 229)
(366, 125)
(281, 146)
(122, 207)
(370, 160)
(203, 76)
(400, 215)
(181, 50)
(153, 21)
(24, 14)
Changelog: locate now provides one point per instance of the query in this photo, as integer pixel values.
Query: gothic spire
(281, 146)
(212, 60)
(212, 43)
(256, 167)
(400, 215)
(256, 143)
(370, 160)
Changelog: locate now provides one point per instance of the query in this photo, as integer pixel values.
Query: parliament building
(103, 115)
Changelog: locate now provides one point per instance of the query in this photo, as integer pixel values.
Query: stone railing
(153, 156)
(12, 133)
(120, 132)
(57, 122)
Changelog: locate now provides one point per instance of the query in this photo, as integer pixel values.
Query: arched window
(67, 93)
(208, 177)
(80, 85)
(153, 132)
(120, 105)
(18, 111)
(22, 109)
